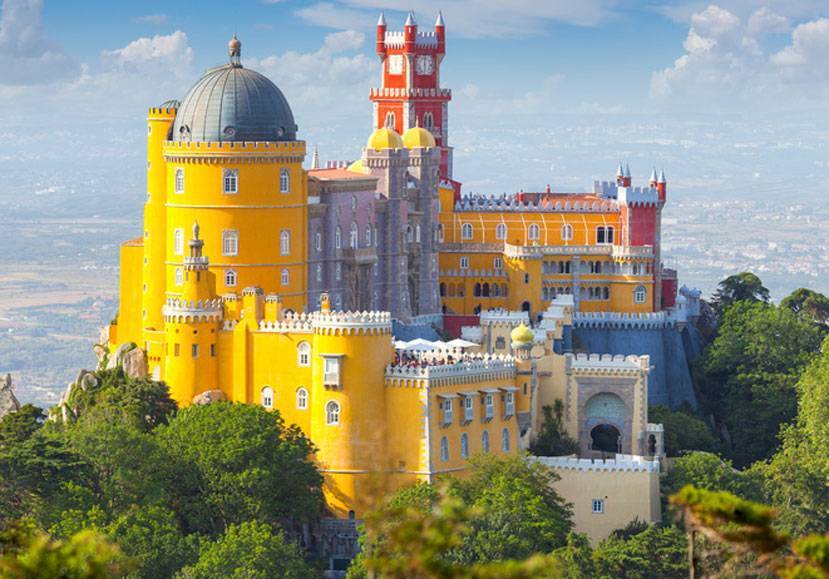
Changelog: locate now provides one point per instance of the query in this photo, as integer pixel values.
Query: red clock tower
(410, 94)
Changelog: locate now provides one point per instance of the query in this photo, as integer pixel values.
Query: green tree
(808, 303)
(744, 286)
(796, 476)
(750, 371)
(575, 559)
(250, 550)
(251, 465)
(17, 427)
(26, 553)
(553, 440)
(684, 430)
(708, 471)
(654, 551)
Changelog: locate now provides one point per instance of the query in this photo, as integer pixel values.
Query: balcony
(359, 256)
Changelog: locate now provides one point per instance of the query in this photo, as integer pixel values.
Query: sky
(552, 90)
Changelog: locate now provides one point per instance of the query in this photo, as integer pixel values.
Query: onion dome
(418, 137)
(521, 336)
(233, 103)
(357, 167)
(384, 138)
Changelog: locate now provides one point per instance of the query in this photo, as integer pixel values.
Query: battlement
(180, 311)
(471, 368)
(163, 112)
(373, 322)
(622, 462)
(432, 93)
(626, 195)
(180, 150)
(288, 325)
(607, 362)
(615, 251)
(628, 321)
(504, 317)
(576, 204)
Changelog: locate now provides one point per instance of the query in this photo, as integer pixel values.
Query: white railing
(622, 462)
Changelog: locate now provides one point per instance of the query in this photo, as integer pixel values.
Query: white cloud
(163, 54)
(27, 55)
(726, 64)
(466, 18)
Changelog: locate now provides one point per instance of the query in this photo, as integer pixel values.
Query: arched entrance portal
(606, 438)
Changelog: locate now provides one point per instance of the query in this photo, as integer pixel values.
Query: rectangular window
(176, 349)
(464, 263)
(286, 277)
(489, 406)
(179, 181)
(498, 263)
(331, 370)
(212, 350)
(284, 181)
(509, 404)
(179, 276)
(230, 242)
(285, 242)
(230, 181)
(194, 350)
(447, 411)
(598, 506)
(178, 242)
(468, 408)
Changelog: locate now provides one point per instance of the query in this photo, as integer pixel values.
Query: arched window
(230, 181)
(179, 184)
(354, 236)
(368, 235)
(534, 232)
(501, 231)
(284, 181)
(566, 232)
(301, 399)
(178, 242)
(442, 287)
(485, 441)
(485, 290)
(286, 276)
(440, 233)
(338, 237)
(338, 271)
(179, 276)
(428, 121)
(390, 120)
(332, 413)
(476, 291)
(505, 440)
(267, 397)
(230, 278)
(417, 233)
(640, 294)
(354, 203)
(285, 242)
(230, 242)
(464, 446)
(303, 354)
(466, 231)
(318, 240)
(444, 449)
(409, 234)
(319, 272)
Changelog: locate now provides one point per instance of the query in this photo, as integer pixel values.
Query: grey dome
(232, 103)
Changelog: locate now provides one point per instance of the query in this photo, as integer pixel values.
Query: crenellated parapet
(582, 204)
(613, 251)
(351, 323)
(615, 364)
(626, 321)
(492, 273)
(234, 151)
(473, 368)
(504, 318)
(631, 196)
(182, 311)
(622, 463)
(436, 93)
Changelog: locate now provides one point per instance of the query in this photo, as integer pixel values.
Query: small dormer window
(230, 181)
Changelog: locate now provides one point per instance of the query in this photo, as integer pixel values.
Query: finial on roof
(315, 158)
(653, 176)
(196, 230)
(234, 49)
(382, 20)
(410, 20)
(620, 172)
(662, 177)
(439, 21)
(627, 170)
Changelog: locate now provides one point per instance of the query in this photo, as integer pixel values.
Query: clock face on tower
(424, 64)
(396, 64)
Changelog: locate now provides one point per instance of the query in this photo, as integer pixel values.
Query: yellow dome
(522, 335)
(384, 138)
(418, 137)
(357, 167)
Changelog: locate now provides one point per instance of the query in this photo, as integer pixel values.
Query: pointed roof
(653, 176)
(662, 177)
(382, 20)
(620, 172)
(410, 21)
(627, 170)
(439, 21)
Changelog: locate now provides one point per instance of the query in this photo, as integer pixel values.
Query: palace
(258, 281)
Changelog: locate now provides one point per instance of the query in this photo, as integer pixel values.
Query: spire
(195, 244)
(627, 170)
(620, 172)
(439, 21)
(653, 176)
(382, 20)
(315, 158)
(410, 20)
(661, 177)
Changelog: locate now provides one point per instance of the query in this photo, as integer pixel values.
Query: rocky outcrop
(131, 358)
(8, 401)
(209, 396)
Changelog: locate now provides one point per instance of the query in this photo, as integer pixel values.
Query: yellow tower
(191, 325)
(348, 424)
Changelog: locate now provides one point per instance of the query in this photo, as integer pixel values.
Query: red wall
(452, 323)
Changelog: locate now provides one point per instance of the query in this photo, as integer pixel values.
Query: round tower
(191, 326)
(348, 422)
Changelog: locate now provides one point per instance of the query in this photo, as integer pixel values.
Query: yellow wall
(128, 328)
